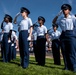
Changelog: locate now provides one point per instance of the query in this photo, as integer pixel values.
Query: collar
(55, 31)
(69, 16)
(25, 18)
(41, 26)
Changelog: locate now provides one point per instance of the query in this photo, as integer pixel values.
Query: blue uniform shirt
(25, 24)
(67, 23)
(55, 35)
(7, 27)
(34, 33)
(41, 31)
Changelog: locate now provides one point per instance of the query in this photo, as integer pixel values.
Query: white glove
(60, 13)
(15, 46)
(9, 41)
(29, 38)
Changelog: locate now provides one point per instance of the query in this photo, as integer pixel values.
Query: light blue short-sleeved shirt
(41, 31)
(25, 24)
(55, 35)
(7, 27)
(67, 23)
(34, 33)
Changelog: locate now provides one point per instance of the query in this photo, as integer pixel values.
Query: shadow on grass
(54, 67)
(16, 63)
(1, 60)
(47, 65)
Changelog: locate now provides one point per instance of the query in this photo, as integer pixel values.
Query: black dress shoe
(19, 65)
(24, 67)
(65, 69)
(57, 64)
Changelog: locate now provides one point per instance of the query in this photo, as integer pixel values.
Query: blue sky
(46, 8)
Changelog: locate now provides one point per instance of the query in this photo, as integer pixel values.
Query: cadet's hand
(59, 13)
(29, 38)
(18, 14)
(55, 19)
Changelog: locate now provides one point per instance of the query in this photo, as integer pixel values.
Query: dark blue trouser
(68, 46)
(41, 52)
(34, 49)
(56, 51)
(23, 46)
(13, 53)
(5, 47)
(9, 52)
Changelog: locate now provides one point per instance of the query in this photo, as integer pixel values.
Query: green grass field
(12, 68)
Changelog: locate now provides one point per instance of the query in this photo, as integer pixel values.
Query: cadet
(7, 27)
(24, 25)
(14, 41)
(68, 37)
(35, 39)
(56, 44)
(41, 41)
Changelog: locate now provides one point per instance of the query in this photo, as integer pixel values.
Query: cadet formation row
(66, 38)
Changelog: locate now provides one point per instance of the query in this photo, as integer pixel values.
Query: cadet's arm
(15, 19)
(31, 29)
(54, 20)
(2, 24)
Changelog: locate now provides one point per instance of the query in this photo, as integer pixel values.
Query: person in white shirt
(24, 26)
(55, 35)
(14, 41)
(7, 27)
(41, 41)
(35, 40)
(68, 36)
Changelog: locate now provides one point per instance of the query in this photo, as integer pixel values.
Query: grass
(12, 68)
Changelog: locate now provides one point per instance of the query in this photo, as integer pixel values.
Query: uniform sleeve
(74, 21)
(45, 30)
(11, 26)
(30, 23)
(59, 33)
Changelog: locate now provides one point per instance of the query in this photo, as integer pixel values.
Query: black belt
(23, 30)
(68, 31)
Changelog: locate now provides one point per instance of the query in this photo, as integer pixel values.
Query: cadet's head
(7, 18)
(66, 8)
(24, 11)
(41, 20)
(55, 26)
